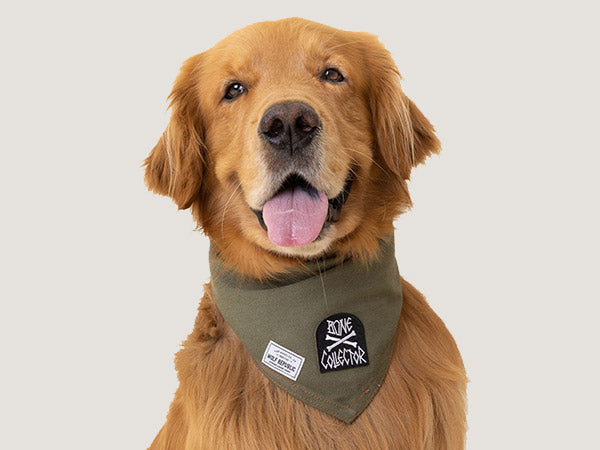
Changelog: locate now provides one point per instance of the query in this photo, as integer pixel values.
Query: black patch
(335, 204)
(341, 343)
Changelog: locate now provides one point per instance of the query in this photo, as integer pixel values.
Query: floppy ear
(404, 135)
(175, 165)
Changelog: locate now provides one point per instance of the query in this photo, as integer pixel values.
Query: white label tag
(282, 360)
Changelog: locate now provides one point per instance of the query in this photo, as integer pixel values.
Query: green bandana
(326, 334)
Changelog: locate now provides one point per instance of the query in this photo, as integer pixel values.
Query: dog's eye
(333, 75)
(234, 90)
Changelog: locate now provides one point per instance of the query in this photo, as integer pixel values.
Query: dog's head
(290, 139)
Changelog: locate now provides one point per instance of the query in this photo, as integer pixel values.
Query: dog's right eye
(332, 75)
(233, 91)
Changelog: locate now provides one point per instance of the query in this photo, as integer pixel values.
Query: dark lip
(335, 204)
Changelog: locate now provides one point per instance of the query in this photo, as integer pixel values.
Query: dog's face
(291, 138)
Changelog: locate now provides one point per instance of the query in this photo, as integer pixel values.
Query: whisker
(226, 204)
(322, 285)
(341, 45)
(330, 37)
(370, 158)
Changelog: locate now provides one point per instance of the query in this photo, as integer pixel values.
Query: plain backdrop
(100, 279)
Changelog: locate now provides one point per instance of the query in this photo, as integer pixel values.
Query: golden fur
(211, 160)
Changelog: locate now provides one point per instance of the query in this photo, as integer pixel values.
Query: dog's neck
(252, 260)
(298, 270)
(324, 333)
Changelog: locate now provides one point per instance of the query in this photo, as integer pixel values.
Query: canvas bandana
(326, 334)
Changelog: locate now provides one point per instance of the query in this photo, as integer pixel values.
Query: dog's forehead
(283, 45)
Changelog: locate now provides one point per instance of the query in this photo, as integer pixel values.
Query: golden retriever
(294, 101)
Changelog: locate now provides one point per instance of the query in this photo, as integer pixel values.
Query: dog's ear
(404, 136)
(175, 165)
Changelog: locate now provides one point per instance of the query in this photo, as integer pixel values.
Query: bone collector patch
(341, 343)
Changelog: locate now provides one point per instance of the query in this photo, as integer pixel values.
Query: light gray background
(100, 280)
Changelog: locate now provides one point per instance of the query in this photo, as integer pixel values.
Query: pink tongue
(295, 218)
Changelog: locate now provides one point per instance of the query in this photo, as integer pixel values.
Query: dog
(291, 142)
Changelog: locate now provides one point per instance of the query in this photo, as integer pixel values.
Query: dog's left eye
(332, 75)
(234, 90)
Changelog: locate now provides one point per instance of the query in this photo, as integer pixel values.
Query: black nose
(289, 126)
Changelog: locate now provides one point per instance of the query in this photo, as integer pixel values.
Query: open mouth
(297, 213)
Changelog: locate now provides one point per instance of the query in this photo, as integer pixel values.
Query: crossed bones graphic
(339, 341)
